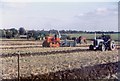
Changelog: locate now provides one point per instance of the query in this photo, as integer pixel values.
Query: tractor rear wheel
(112, 45)
(45, 44)
(102, 47)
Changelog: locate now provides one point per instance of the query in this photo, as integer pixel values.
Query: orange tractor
(52, 41)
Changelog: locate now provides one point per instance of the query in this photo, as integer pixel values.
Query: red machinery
(52, 41)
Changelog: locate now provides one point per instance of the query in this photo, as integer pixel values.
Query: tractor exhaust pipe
(95, 36)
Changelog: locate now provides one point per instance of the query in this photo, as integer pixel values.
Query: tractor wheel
(50, 44)
(45, 44)
(112, 45)
(57, 44)
(102, 47)
(70, 44)
(91, 47)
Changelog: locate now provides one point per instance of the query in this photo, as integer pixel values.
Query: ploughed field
(57, 63)
(19, 44)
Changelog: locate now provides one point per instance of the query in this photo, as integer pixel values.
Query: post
(18, 67)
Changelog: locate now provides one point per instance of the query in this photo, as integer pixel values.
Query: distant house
(23, 36)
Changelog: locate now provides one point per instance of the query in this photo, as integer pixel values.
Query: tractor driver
(55, 36)
(104, 37)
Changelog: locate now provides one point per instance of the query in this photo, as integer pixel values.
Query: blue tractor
(103, 43)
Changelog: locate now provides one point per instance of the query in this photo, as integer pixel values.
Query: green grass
(91, 36)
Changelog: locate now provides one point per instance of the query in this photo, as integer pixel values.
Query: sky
(87, 15)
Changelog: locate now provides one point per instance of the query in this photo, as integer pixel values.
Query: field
(37, 62)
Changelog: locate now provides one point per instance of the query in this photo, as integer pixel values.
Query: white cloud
(99, 19)
(99, 12)
(81, 14)
(102, 10)
(106, 11)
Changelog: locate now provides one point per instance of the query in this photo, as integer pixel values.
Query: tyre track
(43, 53)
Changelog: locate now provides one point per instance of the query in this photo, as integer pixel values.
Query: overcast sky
(73, 15)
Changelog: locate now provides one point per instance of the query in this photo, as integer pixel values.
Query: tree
(35, 34)
(22, 31)
(30, 34)
(1, 33)
(14, 32)
(8, 34)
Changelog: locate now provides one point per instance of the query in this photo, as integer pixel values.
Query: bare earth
(40, 60)
(41, 64)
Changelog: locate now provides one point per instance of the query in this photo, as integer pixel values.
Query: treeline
(22, 33)
(86, 32)
(40, 34)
